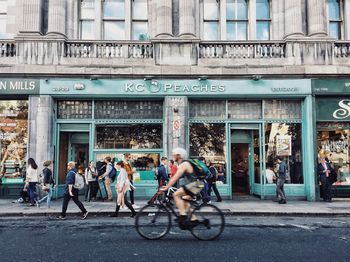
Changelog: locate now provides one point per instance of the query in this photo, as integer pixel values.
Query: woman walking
(90, 180)
(31, 181)
(48, 183)
(122, 187)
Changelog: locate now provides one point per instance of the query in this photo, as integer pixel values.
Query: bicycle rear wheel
(153, 221)
(211, 222)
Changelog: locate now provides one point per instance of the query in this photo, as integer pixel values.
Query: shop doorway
(240, 168)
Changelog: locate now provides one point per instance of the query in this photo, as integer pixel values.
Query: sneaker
(37, 203)
(282, 201)
(135, 206)
(60, 217)
(85, 214)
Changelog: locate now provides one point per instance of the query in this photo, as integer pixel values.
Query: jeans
(32, 192)
(280, 188)
(76, 200)
(131, 192)
(47, 197)
(90, 190)
(326, 187)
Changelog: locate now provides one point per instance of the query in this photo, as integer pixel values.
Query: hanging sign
(284, 145)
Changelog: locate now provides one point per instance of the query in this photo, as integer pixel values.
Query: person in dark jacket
(325, 172)
(48, 183)
(162, 172)
(212, 182)
(281, 179)
(71, 192)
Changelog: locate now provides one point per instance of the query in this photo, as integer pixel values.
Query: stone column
(317, 18)
(57, 17)
(176, 123)
(347, 20)
(31, 16)
(187, 18)
(293, 18)
(164, 18)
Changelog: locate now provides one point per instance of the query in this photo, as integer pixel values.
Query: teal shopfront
(238, 125)
(332, 100)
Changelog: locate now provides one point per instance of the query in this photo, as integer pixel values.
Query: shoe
(194, 223)
(219, 200)
(135, 206)
(31, 205)
(329, 200)
(37, 203)
(110, 199)
(60, 217)
(282, 202)
(85, 214)
(276, 200)
(133, 214)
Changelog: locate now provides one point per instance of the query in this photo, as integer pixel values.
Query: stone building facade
(244, 70)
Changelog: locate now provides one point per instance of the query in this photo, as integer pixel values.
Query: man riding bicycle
(192, 187)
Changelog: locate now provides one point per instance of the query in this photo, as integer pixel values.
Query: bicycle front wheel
(153, 222)
(210, 222)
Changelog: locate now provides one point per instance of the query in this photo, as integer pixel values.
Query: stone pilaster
(187, 18)
(347, 20)
(293, 19)
(164, 18)
(57, 17)
(317, 18)
(31, 16)
(176, 123)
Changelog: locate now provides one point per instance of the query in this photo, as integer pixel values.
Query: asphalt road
(244, 239)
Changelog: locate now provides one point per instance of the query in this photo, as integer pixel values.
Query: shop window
(209, 141)
(74, 109)
(131, 136)
(333, 143)
(282, 109)
(244, 110)
(139, 20)
(13, 140)
(236, 19)
(114, 20)
(211, 20)
(263, 19)
(87, 20)
(335, 18)
(129, 109)
(207, 109)
(284, 140)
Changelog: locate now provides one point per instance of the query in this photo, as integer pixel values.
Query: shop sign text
(19, 86)
(344, 110)
(156, 87)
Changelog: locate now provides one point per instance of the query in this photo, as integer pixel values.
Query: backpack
(112, 175)
(201, 171)
(79, 181)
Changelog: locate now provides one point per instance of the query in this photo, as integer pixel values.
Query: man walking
(325, 170)
(162, 172)
(107, 179)
(281, 179)
(71, 192)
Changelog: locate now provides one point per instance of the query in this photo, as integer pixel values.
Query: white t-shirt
(32, 175)
(269, 176)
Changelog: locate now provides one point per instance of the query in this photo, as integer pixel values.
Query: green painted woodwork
(333, 109)
(330, 86)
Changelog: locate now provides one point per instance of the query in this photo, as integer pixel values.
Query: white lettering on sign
(156, 87)
(284, 89)
(17, 85)
(347, 84)
(344, 110)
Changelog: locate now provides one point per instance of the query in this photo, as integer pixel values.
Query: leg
(133, 213)
(182, 205)
(329, 189)
(87, 189)
(132, 200)
(49, 195)
(77, 202)
(108, 189)
(216, 191)
(323, 187)
(31, 193)
(66, 199)
(280, 191)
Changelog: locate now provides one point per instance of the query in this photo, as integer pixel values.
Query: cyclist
(192, 187)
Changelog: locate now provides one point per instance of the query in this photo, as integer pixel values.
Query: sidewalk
(339, 207)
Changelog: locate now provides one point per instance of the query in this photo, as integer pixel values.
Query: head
(120, 164)
(179, 154)
(70, 165)
(126, 156)
(278, 159)
(47, 163)
(164, 160)
(108, 159)
(31, 162)
(171, 161)
(91, 164)
(81, 169)
(322, 159)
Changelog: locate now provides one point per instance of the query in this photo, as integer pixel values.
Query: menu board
(284, 145)
(13, 139)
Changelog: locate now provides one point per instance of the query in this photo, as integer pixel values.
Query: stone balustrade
(7, 48)
(342, 49)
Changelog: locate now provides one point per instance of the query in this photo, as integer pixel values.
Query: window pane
(231, 31)
(244, 110)
(139, 10)
(13, 139)
(230, 9)
(114, 30)
(114, 9)
(236, 31)
(140, 30)
(262, 30)
(334, 9)
(131, 136)
(334, 30)
(241, 31)
(207, 109)
(262, 9)
(282, 109)
(333, 143)
(242, 9)
(211, 10)
(87, 9)
(211, 31)
(3, 6)
(209, 141)
(2, 26)
(74, 109)
(284, 140)
(88, 30)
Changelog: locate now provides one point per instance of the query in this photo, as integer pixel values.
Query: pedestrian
(172, 167)
(32, 179)
(325, 172)
(107, 179)
(48, 182)
(212, 182)
(162, 173)
(205, 192)
(91, 181)
(130, 171)
(122, 186)
(281, 179)
(72, 192)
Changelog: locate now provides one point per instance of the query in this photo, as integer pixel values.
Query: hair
(47, 163)
(120, 163)
(71, 164)
(181, 152)
(202, 159)
(172, 161)
(278, 158)
(91, 161)
(163, 158)
(31, 162)
(108, 158)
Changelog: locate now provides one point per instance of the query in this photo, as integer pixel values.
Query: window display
(13, 140)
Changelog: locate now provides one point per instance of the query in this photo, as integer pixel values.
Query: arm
(70, 188)
(86, 176)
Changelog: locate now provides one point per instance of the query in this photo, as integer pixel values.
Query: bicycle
(154, 220)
